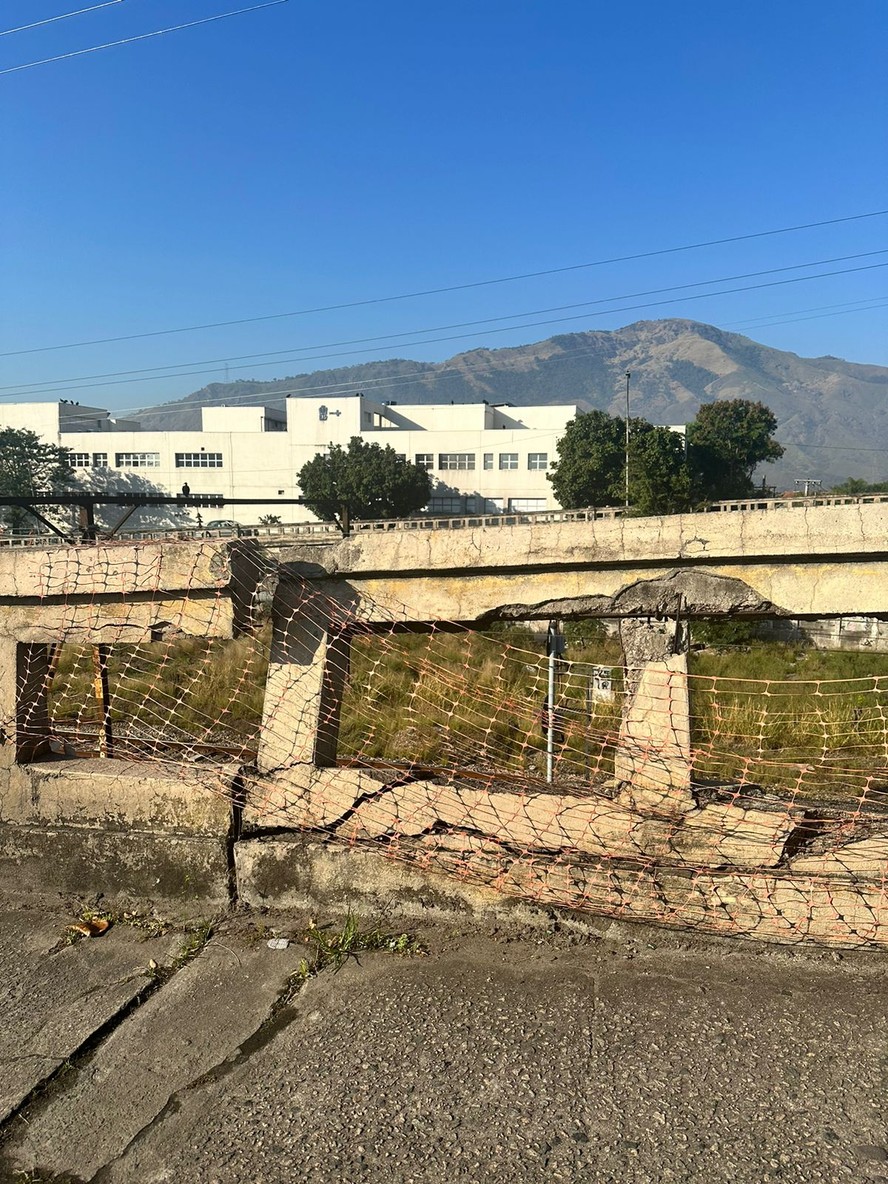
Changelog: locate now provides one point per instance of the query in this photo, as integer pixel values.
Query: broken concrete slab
(196, 1021)
(861, 859)
(116, 793)
(54, 998)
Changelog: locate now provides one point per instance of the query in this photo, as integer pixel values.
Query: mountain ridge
(831, 411)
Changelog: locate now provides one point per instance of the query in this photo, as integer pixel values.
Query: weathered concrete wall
(113, 569)
(649, 847)
(116, 828)
(462, 874)
(807, 562)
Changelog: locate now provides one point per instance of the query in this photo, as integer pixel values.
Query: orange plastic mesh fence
(761, 805)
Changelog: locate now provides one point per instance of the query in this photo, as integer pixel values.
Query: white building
(483, 458)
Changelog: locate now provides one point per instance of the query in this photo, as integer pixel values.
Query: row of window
(465, 461)
(145, 460)
(447, 461)
(481, 505)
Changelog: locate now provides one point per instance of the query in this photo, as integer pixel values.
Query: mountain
(831, 412)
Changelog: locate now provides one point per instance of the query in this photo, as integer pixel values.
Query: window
(198, 460)
(79, 460)
(526, 505)
(137, 460)
(537, 460)
(100, 460)
(508, 460)
(456, 460)
(488, 460)
(425, 460)
(452, 505)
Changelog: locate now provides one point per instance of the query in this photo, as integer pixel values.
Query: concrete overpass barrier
(195, 720)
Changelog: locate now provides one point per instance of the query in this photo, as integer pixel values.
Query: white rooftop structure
(484, 458)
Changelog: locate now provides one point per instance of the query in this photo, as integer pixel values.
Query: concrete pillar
(653, 757)
(307, 671)
(24, 701)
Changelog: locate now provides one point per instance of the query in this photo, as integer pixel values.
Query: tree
(659, 478)
(591, 459)
(855, 486)
(365, 480)
(591, 465)
(725, 443)
(29, 466)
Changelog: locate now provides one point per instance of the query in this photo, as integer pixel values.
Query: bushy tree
(29, 466)
(591, 465)
(667, 474)
(363, 480)
(660, 481)
(725, 443)
(856, 486)
(591, 459)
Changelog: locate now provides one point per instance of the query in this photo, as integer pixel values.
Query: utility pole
(628, 376)
(808, 485)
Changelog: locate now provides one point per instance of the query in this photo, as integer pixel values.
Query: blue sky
(315, 153)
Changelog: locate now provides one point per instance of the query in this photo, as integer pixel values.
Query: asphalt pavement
(628, 1056)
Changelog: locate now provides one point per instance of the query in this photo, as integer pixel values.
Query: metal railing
(328, 531)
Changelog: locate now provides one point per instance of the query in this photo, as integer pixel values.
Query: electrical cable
(392, 337)
(433, 370)
(60, 385)
(452, 288)
(50, 20)
(76, 53)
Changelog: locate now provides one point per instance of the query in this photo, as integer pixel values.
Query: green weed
(332, 947)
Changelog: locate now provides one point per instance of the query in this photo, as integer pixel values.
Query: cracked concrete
(504, 1055)
(193, 1024)
(53, 997)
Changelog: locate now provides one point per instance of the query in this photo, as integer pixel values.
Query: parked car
(229, 526)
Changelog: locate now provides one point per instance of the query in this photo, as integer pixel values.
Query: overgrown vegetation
(776, 714)
(209, 691)
(791, 716)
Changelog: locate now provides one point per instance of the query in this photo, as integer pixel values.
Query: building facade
(483, 458)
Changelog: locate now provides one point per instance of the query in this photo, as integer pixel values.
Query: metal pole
(550, 731)
(103, 698)
(628, 376)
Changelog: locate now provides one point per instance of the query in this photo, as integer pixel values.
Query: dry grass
(771, 714)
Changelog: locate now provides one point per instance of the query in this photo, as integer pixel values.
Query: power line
(50, 20)
(384, 383)
(380, 385)
(76, 53)
(60, 385)
(771, 322)
(392, 337)
(302, 312)
(848, 305)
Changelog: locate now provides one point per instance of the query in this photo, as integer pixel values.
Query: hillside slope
(831, 412)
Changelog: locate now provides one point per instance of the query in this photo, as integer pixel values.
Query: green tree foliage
(666, 473)
(856, 486)
(725, 443)
(591, 465)
(28, 466)
(591, 456)
(659, 478)
(367, 480)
